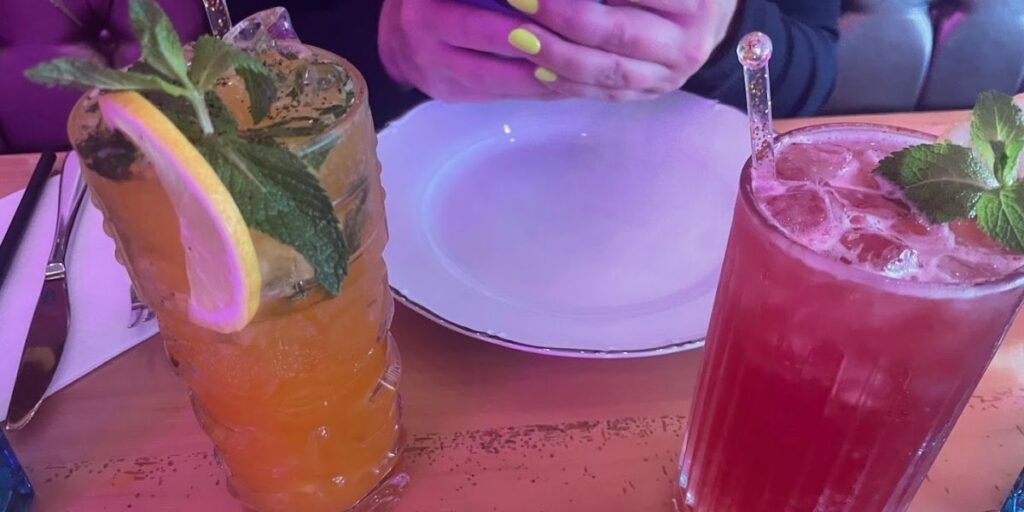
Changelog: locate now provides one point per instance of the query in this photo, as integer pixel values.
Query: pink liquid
(846, 338)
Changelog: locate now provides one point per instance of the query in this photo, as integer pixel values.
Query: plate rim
(576, 353)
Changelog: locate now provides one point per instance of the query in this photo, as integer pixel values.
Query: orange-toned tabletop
(491, 430)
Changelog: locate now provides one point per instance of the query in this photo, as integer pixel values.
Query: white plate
(575, 228)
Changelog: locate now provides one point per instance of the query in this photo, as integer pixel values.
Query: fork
(140, 312)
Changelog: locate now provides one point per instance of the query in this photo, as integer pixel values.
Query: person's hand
(455, 52)
(622, 49)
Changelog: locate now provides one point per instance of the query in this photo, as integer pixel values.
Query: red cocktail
(847, 335)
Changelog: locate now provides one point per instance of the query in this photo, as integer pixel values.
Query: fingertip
(525, 41)
(545, 75)
(525, 6)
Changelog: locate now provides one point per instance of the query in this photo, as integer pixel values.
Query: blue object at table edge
(1015, 501)
(15, 490)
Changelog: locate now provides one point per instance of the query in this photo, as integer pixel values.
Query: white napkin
(98, 287)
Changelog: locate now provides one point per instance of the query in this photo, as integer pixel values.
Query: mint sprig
(275, 190)
(290, 206)
(161, 47)
(261, 89)
(997, 133)
(87, 74)
(212, 58)
(943, 180)
(1001, 215)
(948, 182)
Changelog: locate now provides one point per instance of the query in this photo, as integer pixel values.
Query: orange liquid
(301, 404)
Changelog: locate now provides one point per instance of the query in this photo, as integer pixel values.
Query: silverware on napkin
(23, 214)
(49, 328)
(140, 312)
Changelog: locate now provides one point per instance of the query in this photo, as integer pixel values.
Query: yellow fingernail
(525, 41)
(545, 75)
(527, 6)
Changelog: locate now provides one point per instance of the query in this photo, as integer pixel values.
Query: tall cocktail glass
(846, 338)
(302, 404)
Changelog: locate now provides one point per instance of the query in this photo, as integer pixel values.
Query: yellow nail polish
(527, 6)
(545, 75)
(525, 41)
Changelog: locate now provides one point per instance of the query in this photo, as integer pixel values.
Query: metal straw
(754, 52)
(218, 16)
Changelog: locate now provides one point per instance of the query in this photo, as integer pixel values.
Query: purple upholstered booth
(32, 118)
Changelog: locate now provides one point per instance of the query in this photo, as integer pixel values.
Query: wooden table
(490, 429)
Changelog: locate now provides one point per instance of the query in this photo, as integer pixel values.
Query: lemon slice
(959, 133)
(223, 272)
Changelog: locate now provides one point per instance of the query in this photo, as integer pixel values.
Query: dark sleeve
(349, 29)
(803, 67)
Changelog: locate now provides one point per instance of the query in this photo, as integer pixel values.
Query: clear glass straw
(754, 51)
(218, 16)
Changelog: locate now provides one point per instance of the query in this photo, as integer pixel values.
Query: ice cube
(968, 234)
(910, 226)
(870, 203)
(881, 253)
(285, 273)
(868, 160)
(872, 156)
(864, 179)
(812, 162)
(964, 270)
(858, 220)
(267, 30)
(803, 212)
(871, 385)
(905, 265)
(322, 76)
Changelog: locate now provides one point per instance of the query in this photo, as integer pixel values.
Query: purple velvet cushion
(33, 117)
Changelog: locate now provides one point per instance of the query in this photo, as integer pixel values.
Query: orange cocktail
(301, 402)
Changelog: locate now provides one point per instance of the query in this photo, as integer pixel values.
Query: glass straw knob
(754, 51)
(218, 16)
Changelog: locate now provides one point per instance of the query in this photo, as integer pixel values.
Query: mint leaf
(212, 58)
(179, 110)
(295, 126)
(262, 91)
(1009, 161)
(1001, 216)
(108, 153)
(86, 74)
(161, 47)
(280, 196)
(944, 181)
(997, 132)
